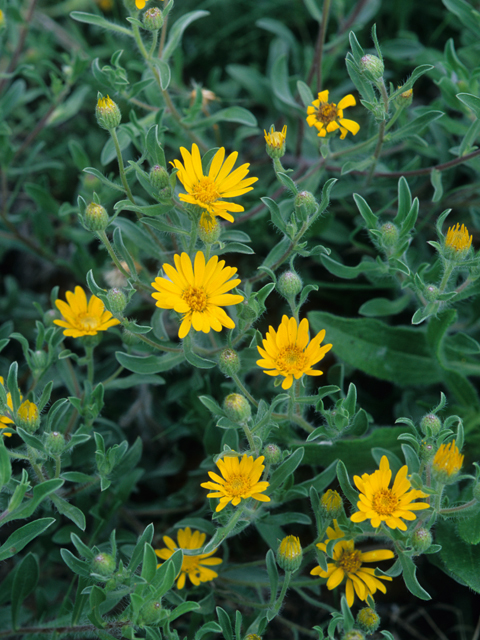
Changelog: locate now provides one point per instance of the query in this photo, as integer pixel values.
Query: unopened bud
(332, 504)
(153, 19)
(289, 554)
(289, 284)
(54, 443)
(272, 453)
(372, 67)
(275, 142)
(96, 217)
(151, 613)
(229, 362)
(431, 292)
(389, 237)
(252, 636)
(237, 408)
(107, 113)
(104, 564)
(159, 178)
(421, 540)
(39, 360)
(305, 205)
(28, 417)
(117, 300)
(430, 424)
(368, 620)
(404, 99)
(209, 229)
(353, 634)
(427, 451)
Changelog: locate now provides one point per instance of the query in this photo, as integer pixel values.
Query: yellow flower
(5, 421)
(447, 461)
(197, 567)
(348, 561)
(207, 191)
(379, 504)
(290, 553)
(458, 240)
(286, 352)
(276, 142)
(199, 293)
(240, 481)
(328, 117)
(28, 416)
(82, 318)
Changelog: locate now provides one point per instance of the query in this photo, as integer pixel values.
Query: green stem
(461, 507)
(90, 364)
(58, 466)
(121, 166)
(243, 389)
(35, 466)
(72, 630)
(114, 375)
(446, 276)
(228, 528)
(281, 597)
(139, 41)
(249, 435)
(381, 131)
(153, 45)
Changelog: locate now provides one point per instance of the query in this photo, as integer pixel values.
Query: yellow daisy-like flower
(207, 191)
(82, 318)
(286, 352)
(276, 139)
(328, 116)
(447, 461)
(240, 481)
(197, 567)
(5, 421)
(379, 504)
(198, 292)
(458, 239)
(348, 561)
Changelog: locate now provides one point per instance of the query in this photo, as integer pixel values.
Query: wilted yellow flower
(286, 353)
(197, 567)
(380, 504)
(328, 117)
(82, 318)
(347, 562)
(5, 421)
(198, 292)
(207, 191)
(447, 461)
(240, 481)
(458, 240)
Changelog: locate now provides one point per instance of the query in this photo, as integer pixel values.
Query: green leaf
(272, 571)
(22, 536)
(193, 358)
(177, 29)
(225, 623)
(149, 364)
(365, 211)
(410, 578)
(274, 209)
(40, 492)
(349, 273)
(5, 465)
(286, 469)
(149, 564)
(469, 529)
(230, 114)
(69, 510)
(305, 93)
(416, 126)
(436, 180)
(279, 80)
(80, 567)
(343, 479)
(472, 102)
(466, 13)
(287, 182)
(24, 582)
(136, 558)
(377, 307)
(182, 609)
(164, 73)
(99, 21)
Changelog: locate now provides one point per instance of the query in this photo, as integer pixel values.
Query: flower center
(291, 358)
(196, 298)
(87, 321)
(190, 563)
(350, 561)
(206, 190)
(238, 485)
(384, 502)
(327, 112)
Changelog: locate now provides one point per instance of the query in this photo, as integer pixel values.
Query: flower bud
(49, 316)
(237, 408)
(96, 217)
(389, 237)
(331, 504)
(151, 613)
(353, 634)
(289, 554)
(430, 424)
(404, 99)
(368, 620)
(272, 453)
(153, 19)
(289, 284)
(431, 292)
(159, 178)
(457, 243)
(117, 300)
(209, 229)
(427, 451)
(107, 113)
(54, 443)
(252, 636)
(104, 564)
(229, 362)
(28, 417)
(38, 361)
(372, 67)
(476, 491)
(447, 463)
(305, 205)
(421, 540)
(275, 142)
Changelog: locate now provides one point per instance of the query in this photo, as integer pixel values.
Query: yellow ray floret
(5, 421)
(208, 191)
(197, 567)
(82, 318)
(448, 460)
(380, 504)
(198, 292)
(327, 117)
(458, 238)
(348, 563)
(288, 352)
(240, 481)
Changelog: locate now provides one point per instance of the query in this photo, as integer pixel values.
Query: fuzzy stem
(121, 167)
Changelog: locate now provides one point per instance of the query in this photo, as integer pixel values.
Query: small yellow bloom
(81, 318)
(447, 462)
(332, 504)
(380, 504)
(347, 562)
(328, 117)
(27, 411)
(107, 113)
(458, 240)
(240, 481)
(5, 421)
(198, 292)
(286, 353)
(276, 142)
(207, 191)
(290, 553)
(197, 567)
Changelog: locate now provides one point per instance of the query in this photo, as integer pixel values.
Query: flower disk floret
(240, 481)
(327, 117)
(208, 191)
(198, 292)
(378, 503)
(287, 352)
(348, 562)
(197, 567)
(82, 317)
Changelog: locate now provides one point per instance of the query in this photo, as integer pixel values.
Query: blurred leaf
(22, 536)
(24, 582)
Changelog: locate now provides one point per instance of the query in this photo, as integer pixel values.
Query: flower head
(379, 504)
(290, 553)
(207, 191)
(198, 292)
(240, 481)
(5, 421)
(28, 416)
(447, 462)
(107, 113)
(276, 142)
(286, 353)
(457, 241)
(331, 503)
(197, 567)
(328, 117)
(81, 318)
(347, 562)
